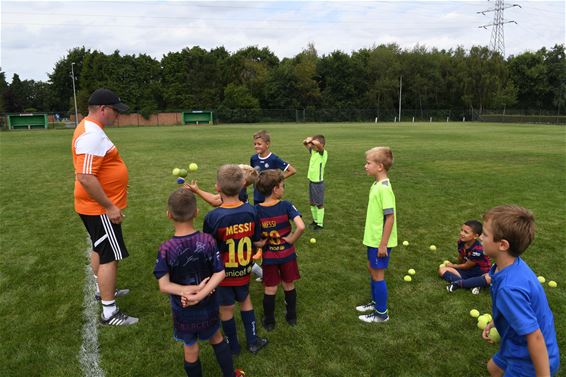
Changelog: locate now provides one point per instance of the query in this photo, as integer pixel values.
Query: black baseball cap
(106, 97)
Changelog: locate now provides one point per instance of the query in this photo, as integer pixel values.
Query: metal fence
(61, 120)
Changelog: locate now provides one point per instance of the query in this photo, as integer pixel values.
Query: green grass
(443, 175)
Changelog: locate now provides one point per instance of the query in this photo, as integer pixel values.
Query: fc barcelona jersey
(235, 228)
(276, 223)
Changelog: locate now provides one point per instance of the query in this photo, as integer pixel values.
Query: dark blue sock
(269, 308)
(249, 324)
(229, 328)
(379, 295)
(478, 281)
(224, 358)
(193, 369)
(291, 304)
(450, 277)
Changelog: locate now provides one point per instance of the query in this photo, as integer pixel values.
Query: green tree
(3, 91)
(60, 82)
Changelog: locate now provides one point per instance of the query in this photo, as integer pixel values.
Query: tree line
(255, 78)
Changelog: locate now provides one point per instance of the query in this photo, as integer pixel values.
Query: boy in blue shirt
(317, 162)
(279, 254)
(189, 268)
(380, 234)
(236, 228)
(264, 159)
(521, 312)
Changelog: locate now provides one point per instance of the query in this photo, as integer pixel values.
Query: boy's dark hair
(182, 205)
(230, 179)
(263, 135)
(514, 224)
(320, 139)
(268, 180)
(383, 155)
(475, 225)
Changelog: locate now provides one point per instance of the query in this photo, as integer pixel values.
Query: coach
(101, 181)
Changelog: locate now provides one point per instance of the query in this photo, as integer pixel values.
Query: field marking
(89, 357)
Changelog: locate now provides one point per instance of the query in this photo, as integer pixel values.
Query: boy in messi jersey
(215, 200)
(380, 234)
(471, 271)
(279, 256)
(315, 145)
(236, 228)
(189, 268)
(521, 313)
(264, 159)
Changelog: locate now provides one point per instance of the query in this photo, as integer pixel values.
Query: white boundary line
(89, 357)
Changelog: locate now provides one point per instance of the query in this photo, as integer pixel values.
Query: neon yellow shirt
(317, 164)
(381, 202)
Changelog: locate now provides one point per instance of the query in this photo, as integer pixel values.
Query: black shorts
(106, 237)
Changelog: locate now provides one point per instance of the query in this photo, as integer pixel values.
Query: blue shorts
(190, 338)
(375, 262)
(229, 295)
(470, 273)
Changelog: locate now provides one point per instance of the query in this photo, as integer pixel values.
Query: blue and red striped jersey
(276, 223)
(475, 254)
(235, 228)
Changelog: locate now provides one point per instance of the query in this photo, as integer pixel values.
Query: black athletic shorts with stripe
(106, 237)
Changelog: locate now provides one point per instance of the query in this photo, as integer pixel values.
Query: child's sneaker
(239, 373)
(452, 287)
(317, 228)
(259, 344)
(312, 225)
(366, 308)
(374, 317)
(118, 293)
(118, 318)
(476, 290)
(268, 326)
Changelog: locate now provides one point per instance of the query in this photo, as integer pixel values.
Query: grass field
(443, 175)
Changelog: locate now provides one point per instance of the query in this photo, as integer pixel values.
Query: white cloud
(35, 35)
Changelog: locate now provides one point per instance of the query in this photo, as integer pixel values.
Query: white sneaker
(374, 317)
(476, 290)
(366, 308)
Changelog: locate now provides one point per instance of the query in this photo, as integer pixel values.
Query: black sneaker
(118, 318)
(118, 293)
(317, 228)
(291, 321)
(312, 225)
(259, 344)
(452, 287)
(269, 326)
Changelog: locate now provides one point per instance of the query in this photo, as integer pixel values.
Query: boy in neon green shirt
(380, 234)
(315, 145)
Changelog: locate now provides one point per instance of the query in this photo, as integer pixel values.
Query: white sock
(96, 284)
(108, 308)
(257, 271)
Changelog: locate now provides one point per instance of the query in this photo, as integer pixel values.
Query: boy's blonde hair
(382, 155)
(250, 174)
(268, 180)
(230, 179)
(514, 224)
(263, 135)
(182, 205)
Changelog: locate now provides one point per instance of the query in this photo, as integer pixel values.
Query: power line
(497, 41)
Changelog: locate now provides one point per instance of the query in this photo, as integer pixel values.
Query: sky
(35, 35)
